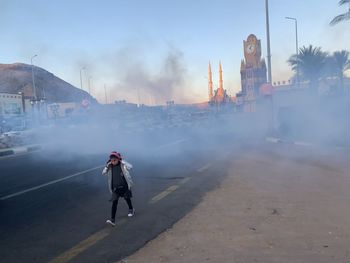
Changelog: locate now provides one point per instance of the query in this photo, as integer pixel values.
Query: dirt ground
(285, 205)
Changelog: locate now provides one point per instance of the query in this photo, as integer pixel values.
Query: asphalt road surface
(54, 202)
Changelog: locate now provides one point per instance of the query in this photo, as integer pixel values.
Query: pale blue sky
(109, 37)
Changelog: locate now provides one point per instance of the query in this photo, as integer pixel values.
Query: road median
(19, 150)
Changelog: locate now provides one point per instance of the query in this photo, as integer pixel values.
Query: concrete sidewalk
(272, 207)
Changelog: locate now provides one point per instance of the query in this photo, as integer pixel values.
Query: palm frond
(342, 59)
(344, 2)
(340, 18)
(310, 62)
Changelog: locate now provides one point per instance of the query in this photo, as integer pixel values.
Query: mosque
(219, 96)
(254, 87)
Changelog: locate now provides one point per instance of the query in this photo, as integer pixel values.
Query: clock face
(250, 48)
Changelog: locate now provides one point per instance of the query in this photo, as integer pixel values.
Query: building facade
(253, 74)
(11, 105)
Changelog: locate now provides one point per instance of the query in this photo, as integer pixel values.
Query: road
(54, 202)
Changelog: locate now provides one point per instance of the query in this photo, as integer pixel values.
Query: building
(61, 110)
(253, 75)
(11, 105)
(219, 96)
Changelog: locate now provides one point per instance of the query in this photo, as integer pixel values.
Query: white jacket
(126, 167)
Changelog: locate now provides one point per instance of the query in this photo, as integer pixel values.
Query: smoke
(169, 82)
(131, 73)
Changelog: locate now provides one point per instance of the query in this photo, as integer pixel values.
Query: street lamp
(138, 96)
(81, 80)
(296, 43)
(31, 62)
(269, 74)
(89, 85)
(105, 93)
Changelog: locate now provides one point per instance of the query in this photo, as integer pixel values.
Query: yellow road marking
(85, 244)
(163, 194)
(96, 237)
(205, 167)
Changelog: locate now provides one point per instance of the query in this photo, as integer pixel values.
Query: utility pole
(138, 96)
(90, 85)
(81, 79)
(105, 93)
(296, 45)
(34, 89)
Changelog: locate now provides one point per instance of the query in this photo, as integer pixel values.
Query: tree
(342, 17)
(341, 63)
(311, 62)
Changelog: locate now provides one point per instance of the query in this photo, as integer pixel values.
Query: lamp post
(105, 93)
(34, 89)
(89, 83)
(81, 80)
(296, 44)
(34, 100)
(269, 74)
(138, 96)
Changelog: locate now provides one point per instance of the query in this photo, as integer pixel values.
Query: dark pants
(115, 204)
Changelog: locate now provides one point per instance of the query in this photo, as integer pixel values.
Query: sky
(158, 50)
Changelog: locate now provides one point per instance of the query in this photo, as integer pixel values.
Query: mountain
(17, 77)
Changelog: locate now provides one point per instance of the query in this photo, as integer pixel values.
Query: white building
(11, 104)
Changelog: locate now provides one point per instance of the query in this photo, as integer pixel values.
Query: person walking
(120, 182)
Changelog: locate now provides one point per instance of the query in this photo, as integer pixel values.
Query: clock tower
(253, 73)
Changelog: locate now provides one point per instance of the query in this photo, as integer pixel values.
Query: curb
(6, 152)
(19, 150)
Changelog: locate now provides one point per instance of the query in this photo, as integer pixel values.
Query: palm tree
(311, 62)
(342, 17)
(342, 63)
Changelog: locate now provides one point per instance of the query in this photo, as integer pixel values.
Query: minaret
(221, 86)
(210, 83)
(220, 92)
